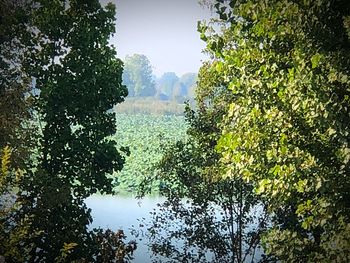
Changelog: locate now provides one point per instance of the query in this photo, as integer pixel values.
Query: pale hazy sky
(163, 30)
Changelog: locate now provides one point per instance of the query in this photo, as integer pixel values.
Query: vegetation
(286, 130)
(204, 219)
(145, 136)
(14, 83)
(15, 129)
(171, 87)
(273, 104)
(257, 172)
(137, 76)
(166, 83)
(79, 80)
(141, 82)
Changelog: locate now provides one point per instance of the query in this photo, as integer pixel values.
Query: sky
(163, 30)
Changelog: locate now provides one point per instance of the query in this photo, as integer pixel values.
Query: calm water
(122, 212)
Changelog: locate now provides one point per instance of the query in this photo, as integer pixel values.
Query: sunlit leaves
(286, 128)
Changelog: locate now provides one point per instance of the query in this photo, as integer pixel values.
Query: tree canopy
(16, 99)
(263, 169)
(137, 76)
(286, 130)
(80, 80)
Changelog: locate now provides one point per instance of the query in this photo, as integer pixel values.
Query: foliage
(65, 251)
(5, 161)
(180, 92)
(183, 89)
(79, 80)
(15, 128)
(286, 130)
(9, 239)
(145, 136)
(137, 76)
(206, 218)
(111, 247)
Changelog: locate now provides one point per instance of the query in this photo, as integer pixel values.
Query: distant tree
(80, 80)
(127, 81)
(167, 82)
(189, 80)
(184, 87)
(180, 92)
(138, 76)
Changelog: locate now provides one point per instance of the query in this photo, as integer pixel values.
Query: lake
(122, 212)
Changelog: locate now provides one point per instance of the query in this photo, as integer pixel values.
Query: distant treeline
(141, 82)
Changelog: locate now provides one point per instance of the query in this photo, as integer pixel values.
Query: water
(123, 212)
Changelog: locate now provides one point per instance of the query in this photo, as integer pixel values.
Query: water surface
(123, 212)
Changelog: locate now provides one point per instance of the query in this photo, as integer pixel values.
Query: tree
(286, 130)
(184, 87)
(189, 80)
(180, 92)
(80, 80)
(17, 131)
(167, 82)
(206, 217)
(16, 100)
(138, 77)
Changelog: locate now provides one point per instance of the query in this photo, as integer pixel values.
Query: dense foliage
(16, 131)
(260, 167)
(14, 82)
(286, 130)
(80, 80)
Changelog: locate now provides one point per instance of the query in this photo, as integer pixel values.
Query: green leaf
(315, 60)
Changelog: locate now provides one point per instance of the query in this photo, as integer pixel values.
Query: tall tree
(207, 216)
(80, 80)
(138, 77)
(286, 130)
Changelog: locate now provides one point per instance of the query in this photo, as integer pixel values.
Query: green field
(146, 136)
